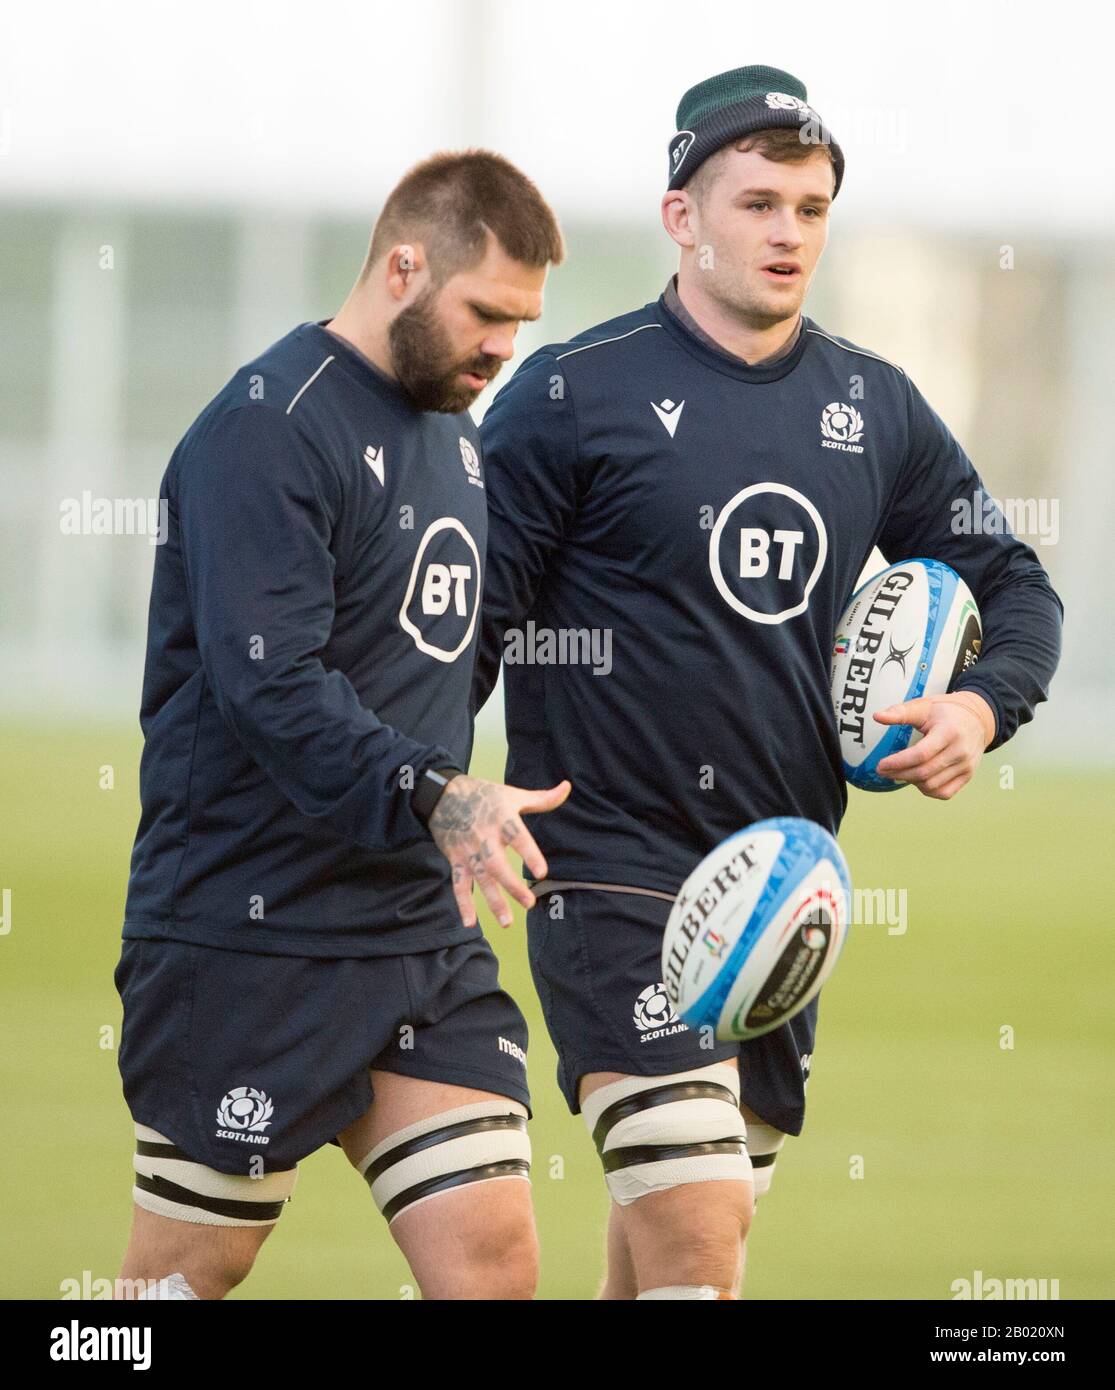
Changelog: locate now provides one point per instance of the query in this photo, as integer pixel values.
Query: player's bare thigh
(475, 1241)
(212, 1259)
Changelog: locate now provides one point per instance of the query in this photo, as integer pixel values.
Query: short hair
(451, 201)
(780, 144)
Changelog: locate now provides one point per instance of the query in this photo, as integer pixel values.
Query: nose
(499, 343)
(785, 230)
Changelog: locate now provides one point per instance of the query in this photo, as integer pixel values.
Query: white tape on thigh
(656, 1132)
(473, 1143)
(169, 1183)
(763, 1143)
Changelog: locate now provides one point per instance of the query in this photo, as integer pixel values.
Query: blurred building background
(179, 187)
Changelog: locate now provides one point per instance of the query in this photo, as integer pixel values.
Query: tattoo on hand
(463, 811)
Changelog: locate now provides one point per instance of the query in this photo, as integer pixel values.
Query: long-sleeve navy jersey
(312, 636)
(709, 520)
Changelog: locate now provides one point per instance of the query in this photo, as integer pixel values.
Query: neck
(752, 344)
(358, 322)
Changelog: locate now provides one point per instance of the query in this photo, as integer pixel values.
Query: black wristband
(429, 790)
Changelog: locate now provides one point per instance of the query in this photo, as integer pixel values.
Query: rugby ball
(757, 928)
(908, 631)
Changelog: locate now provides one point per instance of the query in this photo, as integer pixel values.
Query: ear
(679, 217)
(406, 266)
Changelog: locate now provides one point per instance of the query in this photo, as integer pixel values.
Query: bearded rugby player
(301, 960)
(704, 479)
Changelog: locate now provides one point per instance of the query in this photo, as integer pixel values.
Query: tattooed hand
(472, 824)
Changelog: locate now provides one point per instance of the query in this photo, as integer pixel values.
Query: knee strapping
(657, 1132)
(169, 1183)
(473, 1143)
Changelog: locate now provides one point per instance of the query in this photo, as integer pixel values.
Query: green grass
(974, 1156)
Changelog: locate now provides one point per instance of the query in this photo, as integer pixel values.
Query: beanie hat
(721, 109)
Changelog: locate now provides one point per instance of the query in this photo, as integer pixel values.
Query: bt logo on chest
(443, 594)
(766, 552)
(440, 583)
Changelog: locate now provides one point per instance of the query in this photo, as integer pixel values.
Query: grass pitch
(961, 1064)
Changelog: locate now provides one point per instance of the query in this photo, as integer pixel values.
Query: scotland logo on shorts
(244, 1113)
(655, 1016)
(842, 426)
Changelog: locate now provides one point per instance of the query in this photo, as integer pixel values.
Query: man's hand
(472, 824)
(956, 728)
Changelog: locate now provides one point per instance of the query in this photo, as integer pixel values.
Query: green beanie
(721, 109)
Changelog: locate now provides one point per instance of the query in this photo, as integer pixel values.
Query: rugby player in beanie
(669, 477)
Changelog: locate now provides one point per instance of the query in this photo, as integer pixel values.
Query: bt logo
(440, 583)
(443, 594)
(766, 552)
(754, 551)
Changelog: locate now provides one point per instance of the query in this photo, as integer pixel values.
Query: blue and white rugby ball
(908, 631)
(757, 928)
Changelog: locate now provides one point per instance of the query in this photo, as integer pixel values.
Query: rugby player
(301, 961)
(703, 480)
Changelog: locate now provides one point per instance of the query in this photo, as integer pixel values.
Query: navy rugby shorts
(598, 971)
(231, 1054)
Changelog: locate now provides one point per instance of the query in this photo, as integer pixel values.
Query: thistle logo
(471, 462)
(244, 1113)
(782, 101)
(654, 1014)
(842, 426)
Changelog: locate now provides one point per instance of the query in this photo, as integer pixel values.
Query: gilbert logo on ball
(775, 901)
(909, 631)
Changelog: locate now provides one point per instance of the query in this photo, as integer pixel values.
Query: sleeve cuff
(989, 698)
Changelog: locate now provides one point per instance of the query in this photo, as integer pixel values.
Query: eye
(753, 206)
(484, 316)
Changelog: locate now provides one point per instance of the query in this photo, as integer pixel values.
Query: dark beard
(423, 359)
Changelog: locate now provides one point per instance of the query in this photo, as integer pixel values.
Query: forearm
(1022, 646)
(331, 757)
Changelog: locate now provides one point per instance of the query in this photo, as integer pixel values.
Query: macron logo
(374, 459)
(669, 414)
(505, 1045)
